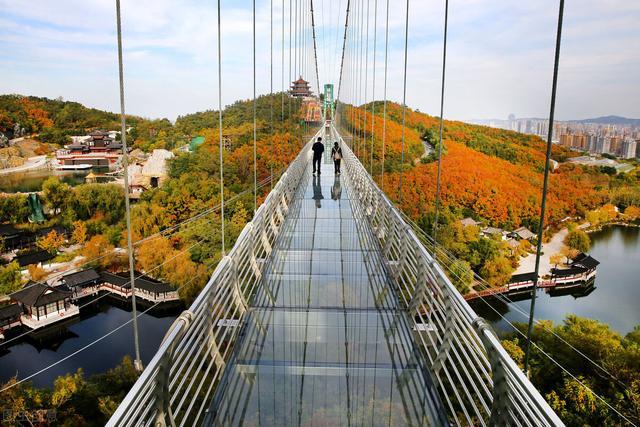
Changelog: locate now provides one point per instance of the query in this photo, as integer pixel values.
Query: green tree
(578, 239)
(482, 251)
(461, 276)
(55, 193)
(14, 208)
(10, 278)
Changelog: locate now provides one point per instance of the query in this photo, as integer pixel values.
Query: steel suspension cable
(282, 65)
(295, 41)
(125, 160)
(220, 130)
(373, 89)
(366, 83)
(315, 51)
(384, 105)
(344, 45)
(440, 142)
(404, 94)
(255, 126)
(545, 185)
(271, 90)
(290, 26)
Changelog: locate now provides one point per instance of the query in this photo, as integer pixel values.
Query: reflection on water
(32, 180)
(41, 348)
(612, 299)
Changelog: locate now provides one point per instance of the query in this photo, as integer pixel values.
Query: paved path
(36, 162)
(555, 245)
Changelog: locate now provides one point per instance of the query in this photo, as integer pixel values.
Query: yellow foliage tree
(79, 234)
(51, 242)
(36, 273)
(99, 252)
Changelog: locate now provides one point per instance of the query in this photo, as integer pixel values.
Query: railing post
(443, 351)
(161, 392)
(217, 357)
(500, 392)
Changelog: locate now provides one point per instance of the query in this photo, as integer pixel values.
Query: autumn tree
(36, 273)
(79, 233)
(632, 213)
(152, 253)
(556, 259)
(569, 253)
(99, 252)
(497, 271)
(51, 242)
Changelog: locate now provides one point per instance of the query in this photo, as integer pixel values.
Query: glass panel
(325, 342)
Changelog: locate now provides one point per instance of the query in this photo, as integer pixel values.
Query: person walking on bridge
(318, 149)
(336, 155)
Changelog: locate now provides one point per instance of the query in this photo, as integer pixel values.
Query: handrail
(479, 384)
(177, 385)
(478, 381)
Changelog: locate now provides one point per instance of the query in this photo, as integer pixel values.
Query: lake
(49, 345)
(32, 180)
(613, 300)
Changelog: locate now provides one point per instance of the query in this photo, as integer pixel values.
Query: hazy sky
(500, 55)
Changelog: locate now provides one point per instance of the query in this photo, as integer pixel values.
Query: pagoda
(300, 88)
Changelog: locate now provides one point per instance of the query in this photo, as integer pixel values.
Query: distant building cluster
(310, 105)
(620, 140)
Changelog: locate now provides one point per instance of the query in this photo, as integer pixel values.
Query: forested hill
(53, 117)
(490, 174)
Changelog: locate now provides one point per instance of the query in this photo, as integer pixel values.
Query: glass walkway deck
(329, 311)
(325, 342)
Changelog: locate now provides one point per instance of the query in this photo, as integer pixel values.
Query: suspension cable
(220, 131)
(366, 83)
(271, 128)
(545, 185)
(315, 51)
(344, 44)
(290, 81)
(440, 143)
(255, 140)
(384, 107)
(125, 160)
(404, 94)
(373, 89)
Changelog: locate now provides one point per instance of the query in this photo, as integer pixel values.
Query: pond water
(32, 180)
(44, 347)
(614, 298)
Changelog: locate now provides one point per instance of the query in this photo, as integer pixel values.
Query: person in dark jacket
(336, 155)
(318, 149)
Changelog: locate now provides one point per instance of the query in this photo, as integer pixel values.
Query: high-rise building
(628, 148)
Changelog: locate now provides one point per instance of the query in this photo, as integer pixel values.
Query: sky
(499, 54)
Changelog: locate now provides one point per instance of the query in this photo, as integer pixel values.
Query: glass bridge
(325, 342)
(328, 311)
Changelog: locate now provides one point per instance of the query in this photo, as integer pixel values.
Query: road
(32, 163)
(555, 245)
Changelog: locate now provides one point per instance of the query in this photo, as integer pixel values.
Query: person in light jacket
(336, 155)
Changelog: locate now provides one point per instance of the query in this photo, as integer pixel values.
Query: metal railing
(478, 381)
(177, 385)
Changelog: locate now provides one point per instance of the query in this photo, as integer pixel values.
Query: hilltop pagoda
(300, 88)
